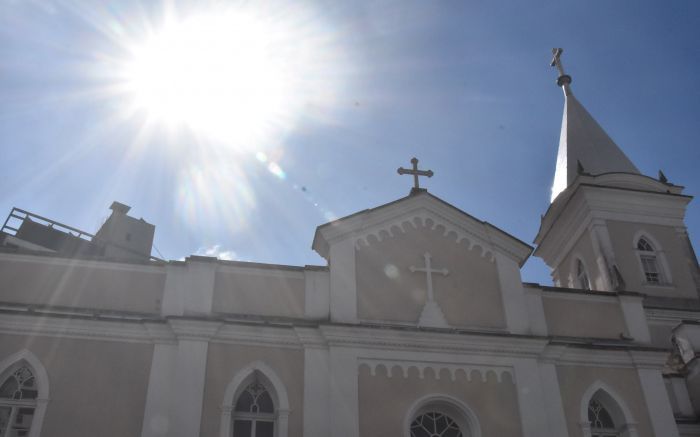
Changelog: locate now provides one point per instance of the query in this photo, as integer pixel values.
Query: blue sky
(464, 86)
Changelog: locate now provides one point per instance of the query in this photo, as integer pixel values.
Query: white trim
(42, 382)
(423, 206)
(76, 262)
(280, 395)
(659, 254)
(629, 427)
(467, 417)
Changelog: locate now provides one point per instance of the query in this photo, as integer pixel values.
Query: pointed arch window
(254, 412)
(602, 424)
(650, 262)
(18, 396)
(582, 276)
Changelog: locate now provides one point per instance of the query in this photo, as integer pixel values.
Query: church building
(419, 324)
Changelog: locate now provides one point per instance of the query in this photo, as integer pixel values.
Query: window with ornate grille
(18, 393)
(650, 263)
(582, 276)
(435, 424)
(602, 424)
(254, 412)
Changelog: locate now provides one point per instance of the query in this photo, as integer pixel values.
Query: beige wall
(576, 316)
(661, 333)
(575, 380)
(622, 235)
(385, 402)
(225, 360)
(74, 283)
(262, 292)
(583, 249)
(96, 388)
(387, 290)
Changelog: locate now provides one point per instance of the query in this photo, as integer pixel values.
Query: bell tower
(609, 227)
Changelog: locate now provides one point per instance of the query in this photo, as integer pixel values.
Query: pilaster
(176, 385)
(552, 400)
(344, 408)
(635, 318)
(658, 405)
(532, 395)
(343, 284)
(317, 294)
(604, 256)
(316, 383)
(513, 295)
(189, 287)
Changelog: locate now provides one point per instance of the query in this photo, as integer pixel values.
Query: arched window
(18, 400)
(435, 424)
(441, 416)
(582, 276)
(254, 412)
(650, 262)
(255, 404)
(604, 413)
(602, 424)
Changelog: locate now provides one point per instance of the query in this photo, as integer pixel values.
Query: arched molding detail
(237, 384)
(573, 271)
(396, 227)
(400, 368)
(613, 403)
(466, 418)
(658, 251)
(633, 180)
(42, 381)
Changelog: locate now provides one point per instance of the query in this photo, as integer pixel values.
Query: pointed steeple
(582, 142)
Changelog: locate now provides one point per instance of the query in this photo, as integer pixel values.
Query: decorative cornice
(84, 328)
(383, 219)
(189, 329)
(423, 218)
(252, 335)
(483, 344)
(78, 262)
(462, 347)
(619, 357)
(311, 338)
(669, 316)
(480, 369)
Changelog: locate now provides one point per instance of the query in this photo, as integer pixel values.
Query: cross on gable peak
(415, 172)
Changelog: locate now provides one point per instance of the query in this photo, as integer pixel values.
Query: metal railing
(22, 215)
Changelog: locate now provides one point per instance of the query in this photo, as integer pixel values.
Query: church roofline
(320, 243)
(19, 251)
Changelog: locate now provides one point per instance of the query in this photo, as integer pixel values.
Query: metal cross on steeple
(564, 79)
(415, 172)
(429, 270)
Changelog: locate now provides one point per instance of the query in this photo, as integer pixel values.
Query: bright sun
(229, 74)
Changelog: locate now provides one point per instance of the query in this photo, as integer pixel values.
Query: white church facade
(419, 325)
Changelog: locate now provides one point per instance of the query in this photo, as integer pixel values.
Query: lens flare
(238, 74)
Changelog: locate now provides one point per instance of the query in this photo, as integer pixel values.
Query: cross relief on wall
(432, 314)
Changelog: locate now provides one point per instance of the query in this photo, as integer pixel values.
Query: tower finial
(564, 79)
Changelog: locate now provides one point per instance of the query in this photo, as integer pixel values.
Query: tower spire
(582, 142)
